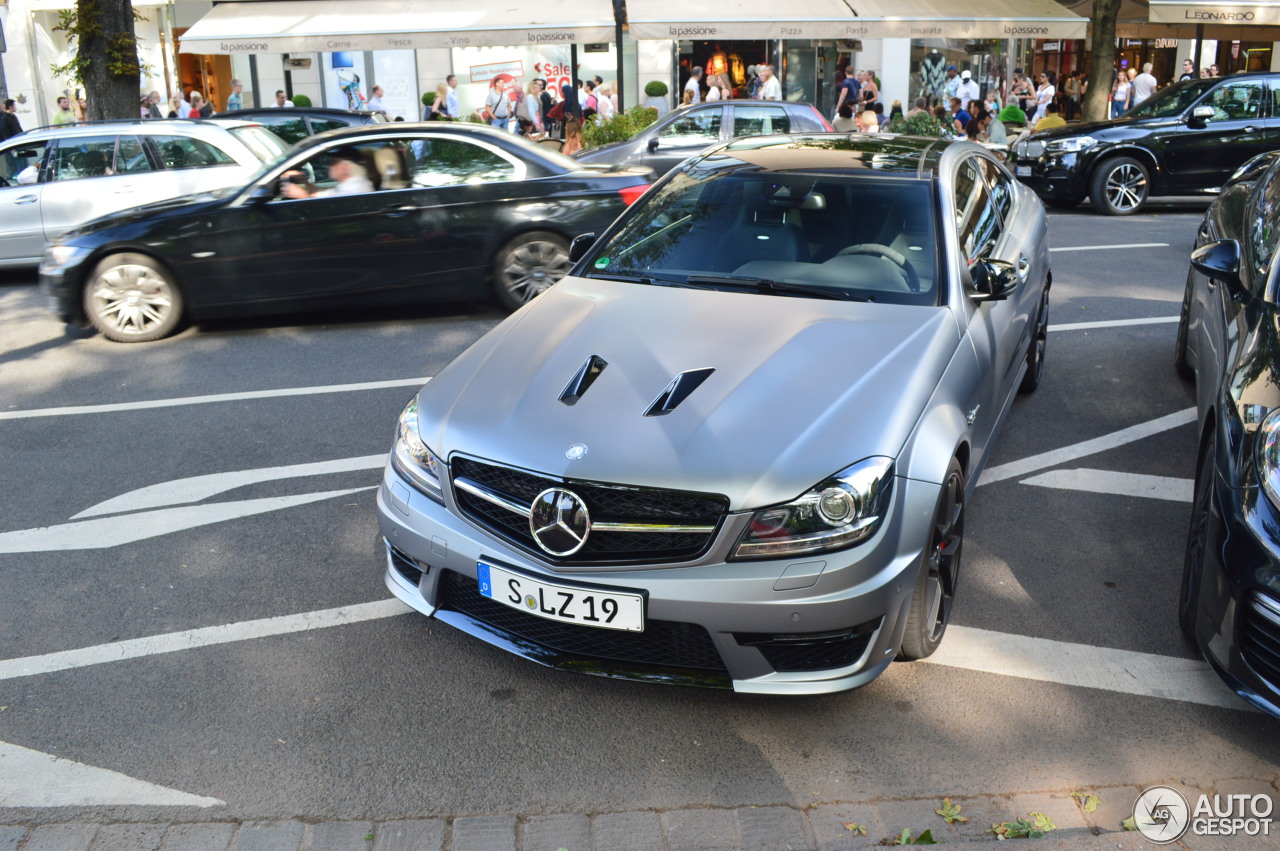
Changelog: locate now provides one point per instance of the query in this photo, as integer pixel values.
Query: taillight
(631, 193)
(822, 119)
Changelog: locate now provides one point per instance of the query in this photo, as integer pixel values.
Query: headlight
(411, 457)
(1072, 145)
(840, 512)
(1266, 455)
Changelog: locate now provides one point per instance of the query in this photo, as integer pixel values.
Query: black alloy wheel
(1197, 541)
(940, 569)
(1180, 363)
(1036, 349)
(1120, 186)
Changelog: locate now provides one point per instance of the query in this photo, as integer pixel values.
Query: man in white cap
(968, 89)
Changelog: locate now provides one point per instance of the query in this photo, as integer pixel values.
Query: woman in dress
(870, 91)
(1045, 92)
(440, 106)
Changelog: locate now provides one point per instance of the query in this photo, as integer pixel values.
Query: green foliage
(655, 89)
(475, 119)
(904, 838)
(428, 98)
(621, 127)
(917, 125)
(301, 100)
(121, 53)
(1033, 826)
(1087, 800)
(951, 812)
(1129, 824)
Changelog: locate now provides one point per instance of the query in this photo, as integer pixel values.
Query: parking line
(1116, 484)
(1112, 247)
(1113, 323)
(73, 410)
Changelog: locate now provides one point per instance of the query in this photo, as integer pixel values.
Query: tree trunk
(111, 74)
(1102, 48)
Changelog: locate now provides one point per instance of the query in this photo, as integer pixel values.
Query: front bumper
(804, 625)
(1052, 175)
(1238, 605)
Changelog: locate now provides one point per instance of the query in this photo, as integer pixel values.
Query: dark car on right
(1229, 342)
(293, 124)
(680, 134)
(1185, 139)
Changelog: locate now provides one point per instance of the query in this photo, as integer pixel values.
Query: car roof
(95, 128)
(302, 110)
(911, 156)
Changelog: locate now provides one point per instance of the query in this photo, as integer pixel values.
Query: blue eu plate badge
(482, 574)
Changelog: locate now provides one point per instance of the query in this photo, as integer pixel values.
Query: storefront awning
(324, 26)
(1212, 12)
(838, 19)
(1136, 19)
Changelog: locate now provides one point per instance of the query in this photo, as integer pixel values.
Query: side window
(319, 125)
(1240, 100)
(290, 128)
(187, 152)
(759, 120)
(1000, 186)
(20, 164)
(700, 126)
(977, 223)
(449, 162)
(88, 156)
(130, 158)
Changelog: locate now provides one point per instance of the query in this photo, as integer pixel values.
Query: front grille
(607, 503)
(1260, 638)
(663, 643)
(812, 652)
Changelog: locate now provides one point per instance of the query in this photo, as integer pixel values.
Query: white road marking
(193, 638)
(1111, 247)
(1116, 484)
(205, 400)
(1113, 323)
(1054, 457)
(113, 531)
(196, 488)
(1085, 666)
(33, 779)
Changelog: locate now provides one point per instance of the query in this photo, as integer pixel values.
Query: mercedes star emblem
(559, 522)
(576, 452)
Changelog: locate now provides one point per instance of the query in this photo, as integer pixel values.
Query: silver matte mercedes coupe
(734, 447)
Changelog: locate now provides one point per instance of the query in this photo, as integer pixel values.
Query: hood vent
(677, 391)
(582, 380)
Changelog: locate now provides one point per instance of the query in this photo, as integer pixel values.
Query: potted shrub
(656, 91)
(301, 100)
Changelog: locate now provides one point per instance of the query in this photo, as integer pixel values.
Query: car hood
(605, 153)
(802, 387)
(1105, 129)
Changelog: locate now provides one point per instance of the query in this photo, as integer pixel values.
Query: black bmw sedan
(1229, 342)
(368, 216)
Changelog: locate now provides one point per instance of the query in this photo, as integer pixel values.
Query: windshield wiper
(768, 285)
(647, 279)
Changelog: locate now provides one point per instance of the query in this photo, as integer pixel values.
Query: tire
(528, 265)
(131, 298)
(939, 569)
(1036, 349)
(1180, 363)
(1120, 186)
(1197, 541)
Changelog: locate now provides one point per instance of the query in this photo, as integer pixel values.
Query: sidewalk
(817, 827)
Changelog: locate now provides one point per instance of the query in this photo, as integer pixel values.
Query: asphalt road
(402, 717)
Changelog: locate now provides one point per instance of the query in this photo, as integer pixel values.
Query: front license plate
(564, 603)
(1024, 171)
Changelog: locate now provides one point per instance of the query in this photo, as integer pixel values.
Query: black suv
(1185, 139)
(293, 124)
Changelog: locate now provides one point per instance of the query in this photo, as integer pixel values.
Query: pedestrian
(850, 89)
(199, 107)
(968, 89)
(545, 101)
(1051, 119)
(281, 101)
(451, 101)
(867, 121)
(997, 133)
(1045, 93)
(953, 82)
(604, 102)
(439, 109)
(976, 129)
(175, 106)
(64, 115)
(144, 105)
(82, 111)
(9, 124)
(1121, 95)
(1144, 85)
(1021, 92)
(921, 108)
(235, 100)
(694, 84)
(845, 122)
(374, 103)
(1188, 70)
(153, 105)
(713, 88)
(960, 117)
(529, 112)
(1071, 87)
(498, 102)
(1213, 70)
(770, 88)
(572, 120)
(870, 90)
(881, 117)
(895, 111)
(590, 103)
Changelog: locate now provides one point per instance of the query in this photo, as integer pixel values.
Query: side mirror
(1219, 260)
(1200, 116)
(264, 192)
(653, 144)
(580, 246)
(993, 280)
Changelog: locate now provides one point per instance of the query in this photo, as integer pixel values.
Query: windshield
(859, 237)
(264, 144)
(1172, 101)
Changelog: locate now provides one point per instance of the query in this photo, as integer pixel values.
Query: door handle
(1251, 129)
(1024, 268)
(401, 212)
(24, 200)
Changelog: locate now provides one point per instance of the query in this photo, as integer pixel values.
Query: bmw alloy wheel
(131, 299)
(528, 265)
(1120, 187)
